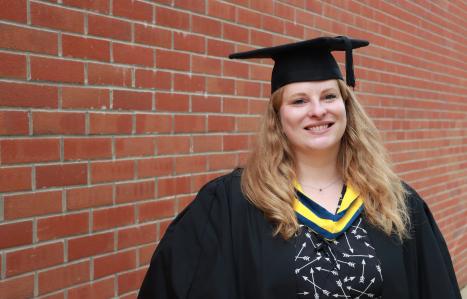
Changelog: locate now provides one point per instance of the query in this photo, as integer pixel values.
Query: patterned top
(347, 267)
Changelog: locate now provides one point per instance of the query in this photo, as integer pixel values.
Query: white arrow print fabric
(348, 269)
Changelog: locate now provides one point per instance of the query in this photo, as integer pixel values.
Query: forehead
(309, 87)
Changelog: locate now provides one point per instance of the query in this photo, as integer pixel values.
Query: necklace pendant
(321, 191)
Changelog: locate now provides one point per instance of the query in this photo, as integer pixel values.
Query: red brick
(260, 72)
(62, 277)
(222, 161)
(189, 42)
(284, 11)
(221, 10)
(134, 191)
(193, 5)
(221, 85)
(173, 186)
(113, 217)
(114, 263)
(218, 123)
(112, 171)
(85, 47)
(58, 123)
(153, 79)
(172, 18)
(60, 70)
(134, 146)
(15, 234)
(205, 104)
(200, 180)
(236, 33)
(133, 236)
(243, 157)
(153, 123)
(263, 6)
(56, 17)
(304, 17)
(145, 253)
(109, 74)
(189, 123)
(109, 27)
(235, 142)
(236, 69)
(85, 98)
(131, 280)
(206, 65)
(29, 150)
(184, 201)
(248, 88)
(15, 179)
(206, 26)
(34, 258)
(89, 197)
(14, 122)
(153, 167)
(13, 65)
(104, 288)
(132, 100)
(172, 60)
(21, 287)
(273, 24)
(173, 145)
(235, 105)
(153, 36)
(110, 123)
(248, 17)
(131, 295)
(90, 245)
(293, 29)
(96, 5)
(314, 6)
(14, 10)
(163, 225)
(189, 83)
(61, 175)
(132, 9)
(60, 295)
(27, 39)
(153, 210)
(220, 48)
(248, 124)
(62, 226)
(87, 148)
(131, 54)
(172, 102)
(189, 164)
(32, 204)
(261, 38)
(207, 143)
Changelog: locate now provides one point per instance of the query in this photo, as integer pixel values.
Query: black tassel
(349, 72)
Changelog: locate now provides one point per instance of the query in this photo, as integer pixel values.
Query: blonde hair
(270, 170)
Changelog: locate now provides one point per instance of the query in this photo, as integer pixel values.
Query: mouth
(318, 128)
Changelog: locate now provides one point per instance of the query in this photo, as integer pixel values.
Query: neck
(317, 168)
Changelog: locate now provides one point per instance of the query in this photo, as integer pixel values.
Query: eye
(330, 96)
(298, 101)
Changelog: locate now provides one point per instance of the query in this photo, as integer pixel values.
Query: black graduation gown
(222, 247)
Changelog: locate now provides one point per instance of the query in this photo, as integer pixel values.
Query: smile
(317, 128)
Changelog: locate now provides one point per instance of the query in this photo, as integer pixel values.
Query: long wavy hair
(267, 180)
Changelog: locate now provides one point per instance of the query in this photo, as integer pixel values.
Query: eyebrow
(304, 94)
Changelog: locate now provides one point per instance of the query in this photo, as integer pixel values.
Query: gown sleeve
(431, 268)
(195, 258)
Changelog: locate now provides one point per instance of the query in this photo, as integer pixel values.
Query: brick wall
(115, 112)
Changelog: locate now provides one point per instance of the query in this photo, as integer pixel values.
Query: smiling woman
(316, 211)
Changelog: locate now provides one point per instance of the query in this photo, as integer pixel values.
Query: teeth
(317, 128)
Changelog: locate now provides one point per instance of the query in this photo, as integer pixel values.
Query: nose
(316, 110)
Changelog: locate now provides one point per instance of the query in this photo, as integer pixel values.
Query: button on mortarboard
(309, 60)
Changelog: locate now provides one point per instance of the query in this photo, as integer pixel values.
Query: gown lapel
(392, 263)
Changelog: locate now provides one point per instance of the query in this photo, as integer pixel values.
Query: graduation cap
(309, 60)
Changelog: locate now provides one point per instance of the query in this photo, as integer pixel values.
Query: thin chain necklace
(321, 189)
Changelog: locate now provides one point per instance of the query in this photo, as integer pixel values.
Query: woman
(316, 212)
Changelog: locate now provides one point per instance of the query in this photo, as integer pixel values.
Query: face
(313, 116)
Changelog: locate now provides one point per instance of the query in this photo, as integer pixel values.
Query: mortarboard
(309, 60)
